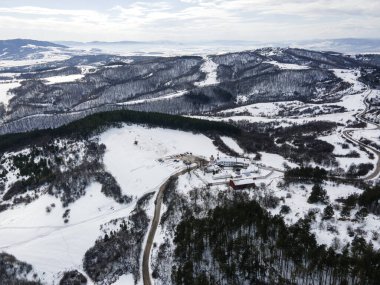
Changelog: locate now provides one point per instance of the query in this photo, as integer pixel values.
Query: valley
(189, 169)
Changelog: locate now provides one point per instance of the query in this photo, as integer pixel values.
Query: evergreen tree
(318, 195)
(328, 213)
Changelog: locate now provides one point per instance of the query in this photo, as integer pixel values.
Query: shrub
(285, 209)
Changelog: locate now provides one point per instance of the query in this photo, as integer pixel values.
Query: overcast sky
(189, 20)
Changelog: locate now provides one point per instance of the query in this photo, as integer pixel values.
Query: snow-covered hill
(80, 202)
(54, 237)
(71, 86)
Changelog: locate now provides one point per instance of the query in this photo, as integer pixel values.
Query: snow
(48, 56)
(137, 167)
(126, 280)
(166, 97)
(370, 134)
(258, 109)
(63, 79)
(353, 103)
(284, 121)
(345, 162)
(232, 144)
(210, 68)
(44, 240)
(5, 96)
(352, 100)
(350, 76)
(31, 46)
(275, 161)
(296, 196)
(164, 50)
(241, 99)
(287, 65)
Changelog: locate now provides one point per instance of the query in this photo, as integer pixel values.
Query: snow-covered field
(370, 134)
(275, 161)
(345, 162)
(44, 240)
(271, 112)
(232, 144)
(210, 68)
(166, 97)
(63, 79)
(287, 65)
(137, 167)
(5, 96)
(350, 76)
(125, 280)
(53, 246)
(284, 121)
(48, 56)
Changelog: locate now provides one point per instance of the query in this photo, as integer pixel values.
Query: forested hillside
(55, 93)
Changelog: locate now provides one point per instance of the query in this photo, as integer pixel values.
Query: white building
(212, 168)
(232, 162)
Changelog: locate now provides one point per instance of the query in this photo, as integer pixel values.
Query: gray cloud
(265, 20)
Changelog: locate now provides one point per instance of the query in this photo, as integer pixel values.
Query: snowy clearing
(5, 96)
(126, 280)
(350, 76)
(44, 240)
(275, 161)
(48, 56)
(166, 97)
(232, 144)
(345, 162)
(132, 164)
(287, 65)
(63, 79)
(210, 68)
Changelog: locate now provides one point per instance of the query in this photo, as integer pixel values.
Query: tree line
(92, 124)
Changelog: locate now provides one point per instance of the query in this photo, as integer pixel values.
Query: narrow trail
(347, 134)
(154, 225)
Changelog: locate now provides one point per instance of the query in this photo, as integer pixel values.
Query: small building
(212, 168)
(242, 184)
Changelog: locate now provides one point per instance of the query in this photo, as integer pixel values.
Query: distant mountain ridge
(21, 48)
(17, 43)
(342, 45)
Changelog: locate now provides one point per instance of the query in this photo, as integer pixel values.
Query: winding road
(347, 134)
(154, 225)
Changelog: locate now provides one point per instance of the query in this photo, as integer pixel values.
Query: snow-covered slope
(38, 234)
(141, 168)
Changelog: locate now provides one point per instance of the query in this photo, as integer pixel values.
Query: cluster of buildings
(239, 174)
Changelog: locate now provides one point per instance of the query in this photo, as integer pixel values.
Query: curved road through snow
(154, 225)
(347, 134)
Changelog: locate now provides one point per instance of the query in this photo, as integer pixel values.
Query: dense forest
(242, 244)
(148, 83)
(89, 125)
